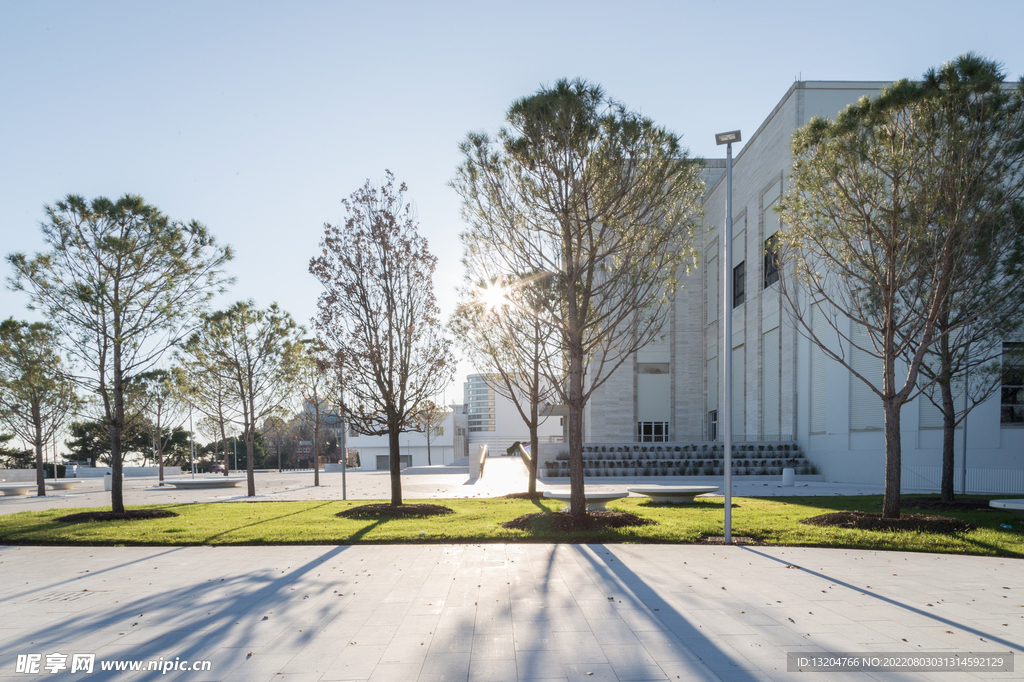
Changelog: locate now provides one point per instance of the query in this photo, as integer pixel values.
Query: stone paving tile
(580, 647)
(533, 636)
(492, 670)
(390, 672)
(490, 646)
(590, 672)
(355, 663)
(539, 664)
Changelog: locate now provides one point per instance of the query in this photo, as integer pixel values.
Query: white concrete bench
(14, 489)
(62, 485)
(674, 493)
(208, 482)
(595, 501)
(1009, 505)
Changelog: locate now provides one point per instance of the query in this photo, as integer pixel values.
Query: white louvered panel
(866, 412)
(713, 275)
(712, 384)
(738, 393)
(819, 390)
(770, 383)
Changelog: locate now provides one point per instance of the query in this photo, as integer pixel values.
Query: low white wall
(18, 475)
(129, 472)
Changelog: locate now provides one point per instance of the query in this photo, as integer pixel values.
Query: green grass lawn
(773, 520)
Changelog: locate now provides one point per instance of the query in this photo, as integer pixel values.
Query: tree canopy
(890, 200)
(121, 283)
(600, 202)
(378, 315)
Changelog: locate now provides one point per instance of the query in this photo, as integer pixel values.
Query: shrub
(709, 469)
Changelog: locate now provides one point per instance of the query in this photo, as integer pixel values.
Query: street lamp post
(344, 445)
(191, 444)
(727, 139)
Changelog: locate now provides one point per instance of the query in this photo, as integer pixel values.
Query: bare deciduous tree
(255, 352)
(500, 324)
(378, 315)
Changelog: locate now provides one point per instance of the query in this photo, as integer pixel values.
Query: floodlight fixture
(728, 138)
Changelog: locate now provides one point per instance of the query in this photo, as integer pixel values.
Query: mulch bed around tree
(130, 515)
(402, 511)
(868, 521)
(539, 495)
(936, 504)
(567, 523)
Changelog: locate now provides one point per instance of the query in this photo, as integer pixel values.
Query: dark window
(652, 432)
(713, 425)
(771, 260)
(1012, 400)
(738, 281)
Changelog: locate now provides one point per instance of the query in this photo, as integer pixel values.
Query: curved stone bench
(63, 485)
(595, 501)
(209, 482)
(674, 493)
(16, 489)
(1009, 505)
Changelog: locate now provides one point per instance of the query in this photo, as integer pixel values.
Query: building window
(771, 260)
(713, 425)
(738, 280)
(1012, 401)
(652, 432)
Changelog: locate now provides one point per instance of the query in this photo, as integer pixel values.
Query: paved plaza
(489, 612)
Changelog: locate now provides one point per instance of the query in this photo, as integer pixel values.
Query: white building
(494, 420)
(782, 387)
(446, 446)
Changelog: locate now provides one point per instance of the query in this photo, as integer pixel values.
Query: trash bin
(788, 477)
(108, 481)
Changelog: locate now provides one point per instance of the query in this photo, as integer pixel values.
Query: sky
(258, 118)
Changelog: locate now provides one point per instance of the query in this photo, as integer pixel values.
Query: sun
(494, 295)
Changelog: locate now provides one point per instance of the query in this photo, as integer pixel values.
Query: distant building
(494, 420)
(447, 444)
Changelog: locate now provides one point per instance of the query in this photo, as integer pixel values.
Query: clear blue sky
(257, 118)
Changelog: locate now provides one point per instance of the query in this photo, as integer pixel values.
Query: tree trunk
(891, 501)
(577, 492)
(534, 421)
(948, 433)
(396, 468)
(224, 439)
(316, 456)
(249, 424)
(159, 455)
(116, 425)
(250, 475)
(534, 453)
(40, 474)
(428, 444)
